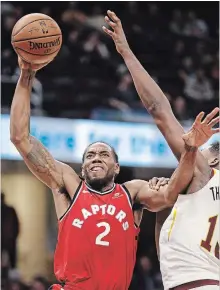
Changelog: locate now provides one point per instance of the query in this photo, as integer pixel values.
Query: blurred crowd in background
(88, 79)
(177, 43)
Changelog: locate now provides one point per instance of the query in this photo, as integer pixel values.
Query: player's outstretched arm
(37, 158)
(157, 200)
(166, 196)
(150, 93)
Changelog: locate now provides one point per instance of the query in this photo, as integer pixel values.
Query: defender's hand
(155, 183)
(201, 131)
(28, 66)
(117, 34)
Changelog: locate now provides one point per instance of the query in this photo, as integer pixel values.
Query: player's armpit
(41, 163)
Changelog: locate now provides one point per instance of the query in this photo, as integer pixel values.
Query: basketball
(36, 38)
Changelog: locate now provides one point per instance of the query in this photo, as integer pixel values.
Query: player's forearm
(150, 93)
(183, 175)
(20, 109)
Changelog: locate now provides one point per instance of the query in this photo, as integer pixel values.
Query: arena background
(90, 96)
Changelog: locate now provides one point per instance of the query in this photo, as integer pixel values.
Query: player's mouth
(96, 168)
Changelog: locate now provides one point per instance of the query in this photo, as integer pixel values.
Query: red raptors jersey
(97, 240)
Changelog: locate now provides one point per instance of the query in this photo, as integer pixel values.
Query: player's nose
(96, 159)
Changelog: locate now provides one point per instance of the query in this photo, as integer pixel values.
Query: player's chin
(97, 182)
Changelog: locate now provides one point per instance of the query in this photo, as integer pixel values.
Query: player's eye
(89, 156)
(105, 154)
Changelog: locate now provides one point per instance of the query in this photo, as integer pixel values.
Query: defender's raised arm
(150, 93)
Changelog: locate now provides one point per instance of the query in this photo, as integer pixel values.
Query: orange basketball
(36, 38)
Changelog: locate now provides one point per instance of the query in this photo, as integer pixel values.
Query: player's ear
(117, 168)
(213, 162)
(82, 172)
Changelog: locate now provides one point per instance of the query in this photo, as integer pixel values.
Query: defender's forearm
(183, 175)
(20, 109)
(150, 93)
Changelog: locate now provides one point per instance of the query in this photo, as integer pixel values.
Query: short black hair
(214, 148)
(112, 149)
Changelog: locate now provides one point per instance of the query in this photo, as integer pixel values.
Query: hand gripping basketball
(201, 131)
(25, 65)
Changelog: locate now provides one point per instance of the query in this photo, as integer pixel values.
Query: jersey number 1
(99, 238)
(206, 244)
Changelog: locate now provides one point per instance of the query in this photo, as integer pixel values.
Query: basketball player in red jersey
(159, 107)
(97, 228)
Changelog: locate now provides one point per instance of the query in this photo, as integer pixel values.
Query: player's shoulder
(200, 180)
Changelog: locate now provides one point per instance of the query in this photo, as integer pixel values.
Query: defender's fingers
(110, 23)
(164, 181)
(113, 16)
(153, 182)
(199, 117)
(214, 122)
(214, 131)
(211, 115)
(107, 31)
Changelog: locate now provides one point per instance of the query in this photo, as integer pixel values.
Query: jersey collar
(99, 192)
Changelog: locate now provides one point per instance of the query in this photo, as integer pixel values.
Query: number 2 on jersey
(206, 244)
(99, 238)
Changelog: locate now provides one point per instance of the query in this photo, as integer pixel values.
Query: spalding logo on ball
(36, 38)
(38, 45)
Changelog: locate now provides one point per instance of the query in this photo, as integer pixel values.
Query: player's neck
(107, 187)
(101, 188)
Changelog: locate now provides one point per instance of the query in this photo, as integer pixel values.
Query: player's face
(212, 159)
(99, 166)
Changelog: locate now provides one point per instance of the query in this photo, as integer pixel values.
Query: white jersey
(190, 237)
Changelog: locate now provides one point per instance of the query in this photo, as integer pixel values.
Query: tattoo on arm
(39, 157)
(43, 163)
(154, 107)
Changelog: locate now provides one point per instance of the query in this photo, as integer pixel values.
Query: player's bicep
(40, 162)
